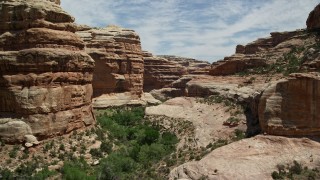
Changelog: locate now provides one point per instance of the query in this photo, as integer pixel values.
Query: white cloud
(202, 29)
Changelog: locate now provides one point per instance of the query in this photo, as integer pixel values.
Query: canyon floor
(212, 144)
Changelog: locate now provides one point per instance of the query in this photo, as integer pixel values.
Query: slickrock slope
(160, 72)
(118, 57)
(313, 21)
(291, 106)
(254, 158)
(45, 76)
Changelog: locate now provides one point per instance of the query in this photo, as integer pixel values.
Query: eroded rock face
(160, 72)
(193, 66)
(291, 106)
(259, 53)
(45, 75)
(118, 57)
(313, 21)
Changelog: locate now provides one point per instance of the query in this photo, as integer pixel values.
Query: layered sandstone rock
(193, 66)
(118, 57)
(313, 21)
(45, 76)
(259, 53)
(160, 72)
(291, 106)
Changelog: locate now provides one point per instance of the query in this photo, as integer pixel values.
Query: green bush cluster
(140, 145)
(295, 171)
(27, 171)
(77, 169)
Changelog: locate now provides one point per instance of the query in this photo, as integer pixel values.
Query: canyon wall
(118, 57)
(45, 75)
(259, 53)
(291, 106)
(162, 70)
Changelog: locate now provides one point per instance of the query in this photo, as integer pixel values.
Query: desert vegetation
(295, 171)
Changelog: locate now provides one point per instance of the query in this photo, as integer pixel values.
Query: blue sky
(201, 29)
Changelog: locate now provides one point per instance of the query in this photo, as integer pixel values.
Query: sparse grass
(232, 121)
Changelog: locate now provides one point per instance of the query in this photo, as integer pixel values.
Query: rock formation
(160, 72)
(193, 66)
(45, 76)
(118, 57)
(291, 106)
(252, 158)
(259, 53)
(313, 21)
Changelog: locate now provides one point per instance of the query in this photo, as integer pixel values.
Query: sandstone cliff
(45, 76)
(291, 107)
(193, 66)
(261, 53)
(162, 70)
(118, 57)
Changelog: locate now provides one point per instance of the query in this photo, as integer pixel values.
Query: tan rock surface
(253, 158)
(45, 78)
(122, 99)
(291, 107)
(207, 119)
(118, 57)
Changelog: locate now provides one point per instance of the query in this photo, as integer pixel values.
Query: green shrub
(239, 135)
(77, 169)
(106, 147)
(61, 148)
(44, 174)
(6, 174)
(96, 153)
(150, 154)
(295, 171)
(117, 166)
